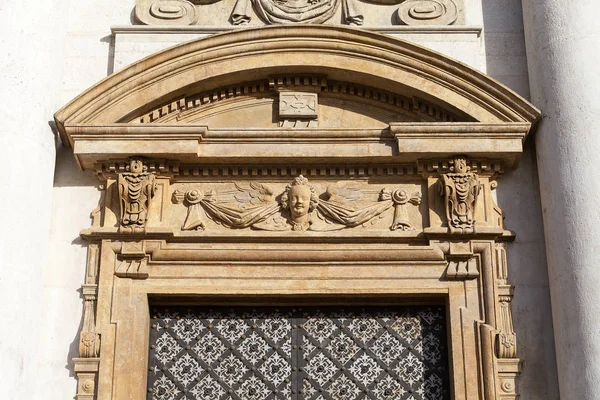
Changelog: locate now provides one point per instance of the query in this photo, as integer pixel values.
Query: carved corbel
(460, 189)
(133, 261)
(89, 340)
(506, 343)
(462, 264)
(137, 187)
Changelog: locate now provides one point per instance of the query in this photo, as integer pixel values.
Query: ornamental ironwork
(307, 353)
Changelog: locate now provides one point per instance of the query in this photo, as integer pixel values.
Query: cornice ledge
(113, 233)
(199, 29)
(399, 143)
(499, 141)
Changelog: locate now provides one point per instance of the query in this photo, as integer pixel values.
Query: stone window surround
(466, 269)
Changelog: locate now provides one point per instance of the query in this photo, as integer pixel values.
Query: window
(317, 353)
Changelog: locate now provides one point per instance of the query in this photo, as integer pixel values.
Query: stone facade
(276, 161)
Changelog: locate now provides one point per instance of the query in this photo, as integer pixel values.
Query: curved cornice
(360, 56)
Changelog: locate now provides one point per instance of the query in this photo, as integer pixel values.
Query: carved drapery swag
(258, 208)
(296, 11)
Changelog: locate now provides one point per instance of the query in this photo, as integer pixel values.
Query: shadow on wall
(110, 66)
(67, 173)
(74, 345)
(519, 198)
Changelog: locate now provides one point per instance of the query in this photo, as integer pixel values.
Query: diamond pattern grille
(309, 353)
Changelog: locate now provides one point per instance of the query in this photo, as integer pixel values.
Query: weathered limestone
(563, 57)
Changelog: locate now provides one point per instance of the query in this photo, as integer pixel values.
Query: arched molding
(360, 57)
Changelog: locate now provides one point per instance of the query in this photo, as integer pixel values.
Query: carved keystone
(298, 109)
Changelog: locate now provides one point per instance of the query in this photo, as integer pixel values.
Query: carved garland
(257, 208)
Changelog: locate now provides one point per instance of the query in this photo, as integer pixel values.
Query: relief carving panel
(299, 207)
(347, 12)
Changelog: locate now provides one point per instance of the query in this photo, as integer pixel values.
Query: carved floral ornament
(184, 12)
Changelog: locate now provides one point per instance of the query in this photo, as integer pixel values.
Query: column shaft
(563, 52)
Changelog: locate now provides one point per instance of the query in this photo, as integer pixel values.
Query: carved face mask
(299, 200)
(136, 166)
(460, 165)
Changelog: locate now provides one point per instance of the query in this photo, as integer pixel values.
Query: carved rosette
(460, 189)
(136, 189)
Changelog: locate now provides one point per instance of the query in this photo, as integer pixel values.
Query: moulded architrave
(123, 303)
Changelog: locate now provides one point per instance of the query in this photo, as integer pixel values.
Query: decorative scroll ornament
(136, 189)
(427, 12)
(166, 12)
(300, 208)
(460, 189)
(401, 199)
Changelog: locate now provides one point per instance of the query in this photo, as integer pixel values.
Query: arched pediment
(368, 85)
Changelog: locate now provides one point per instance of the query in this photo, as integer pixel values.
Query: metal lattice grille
(310, 353)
